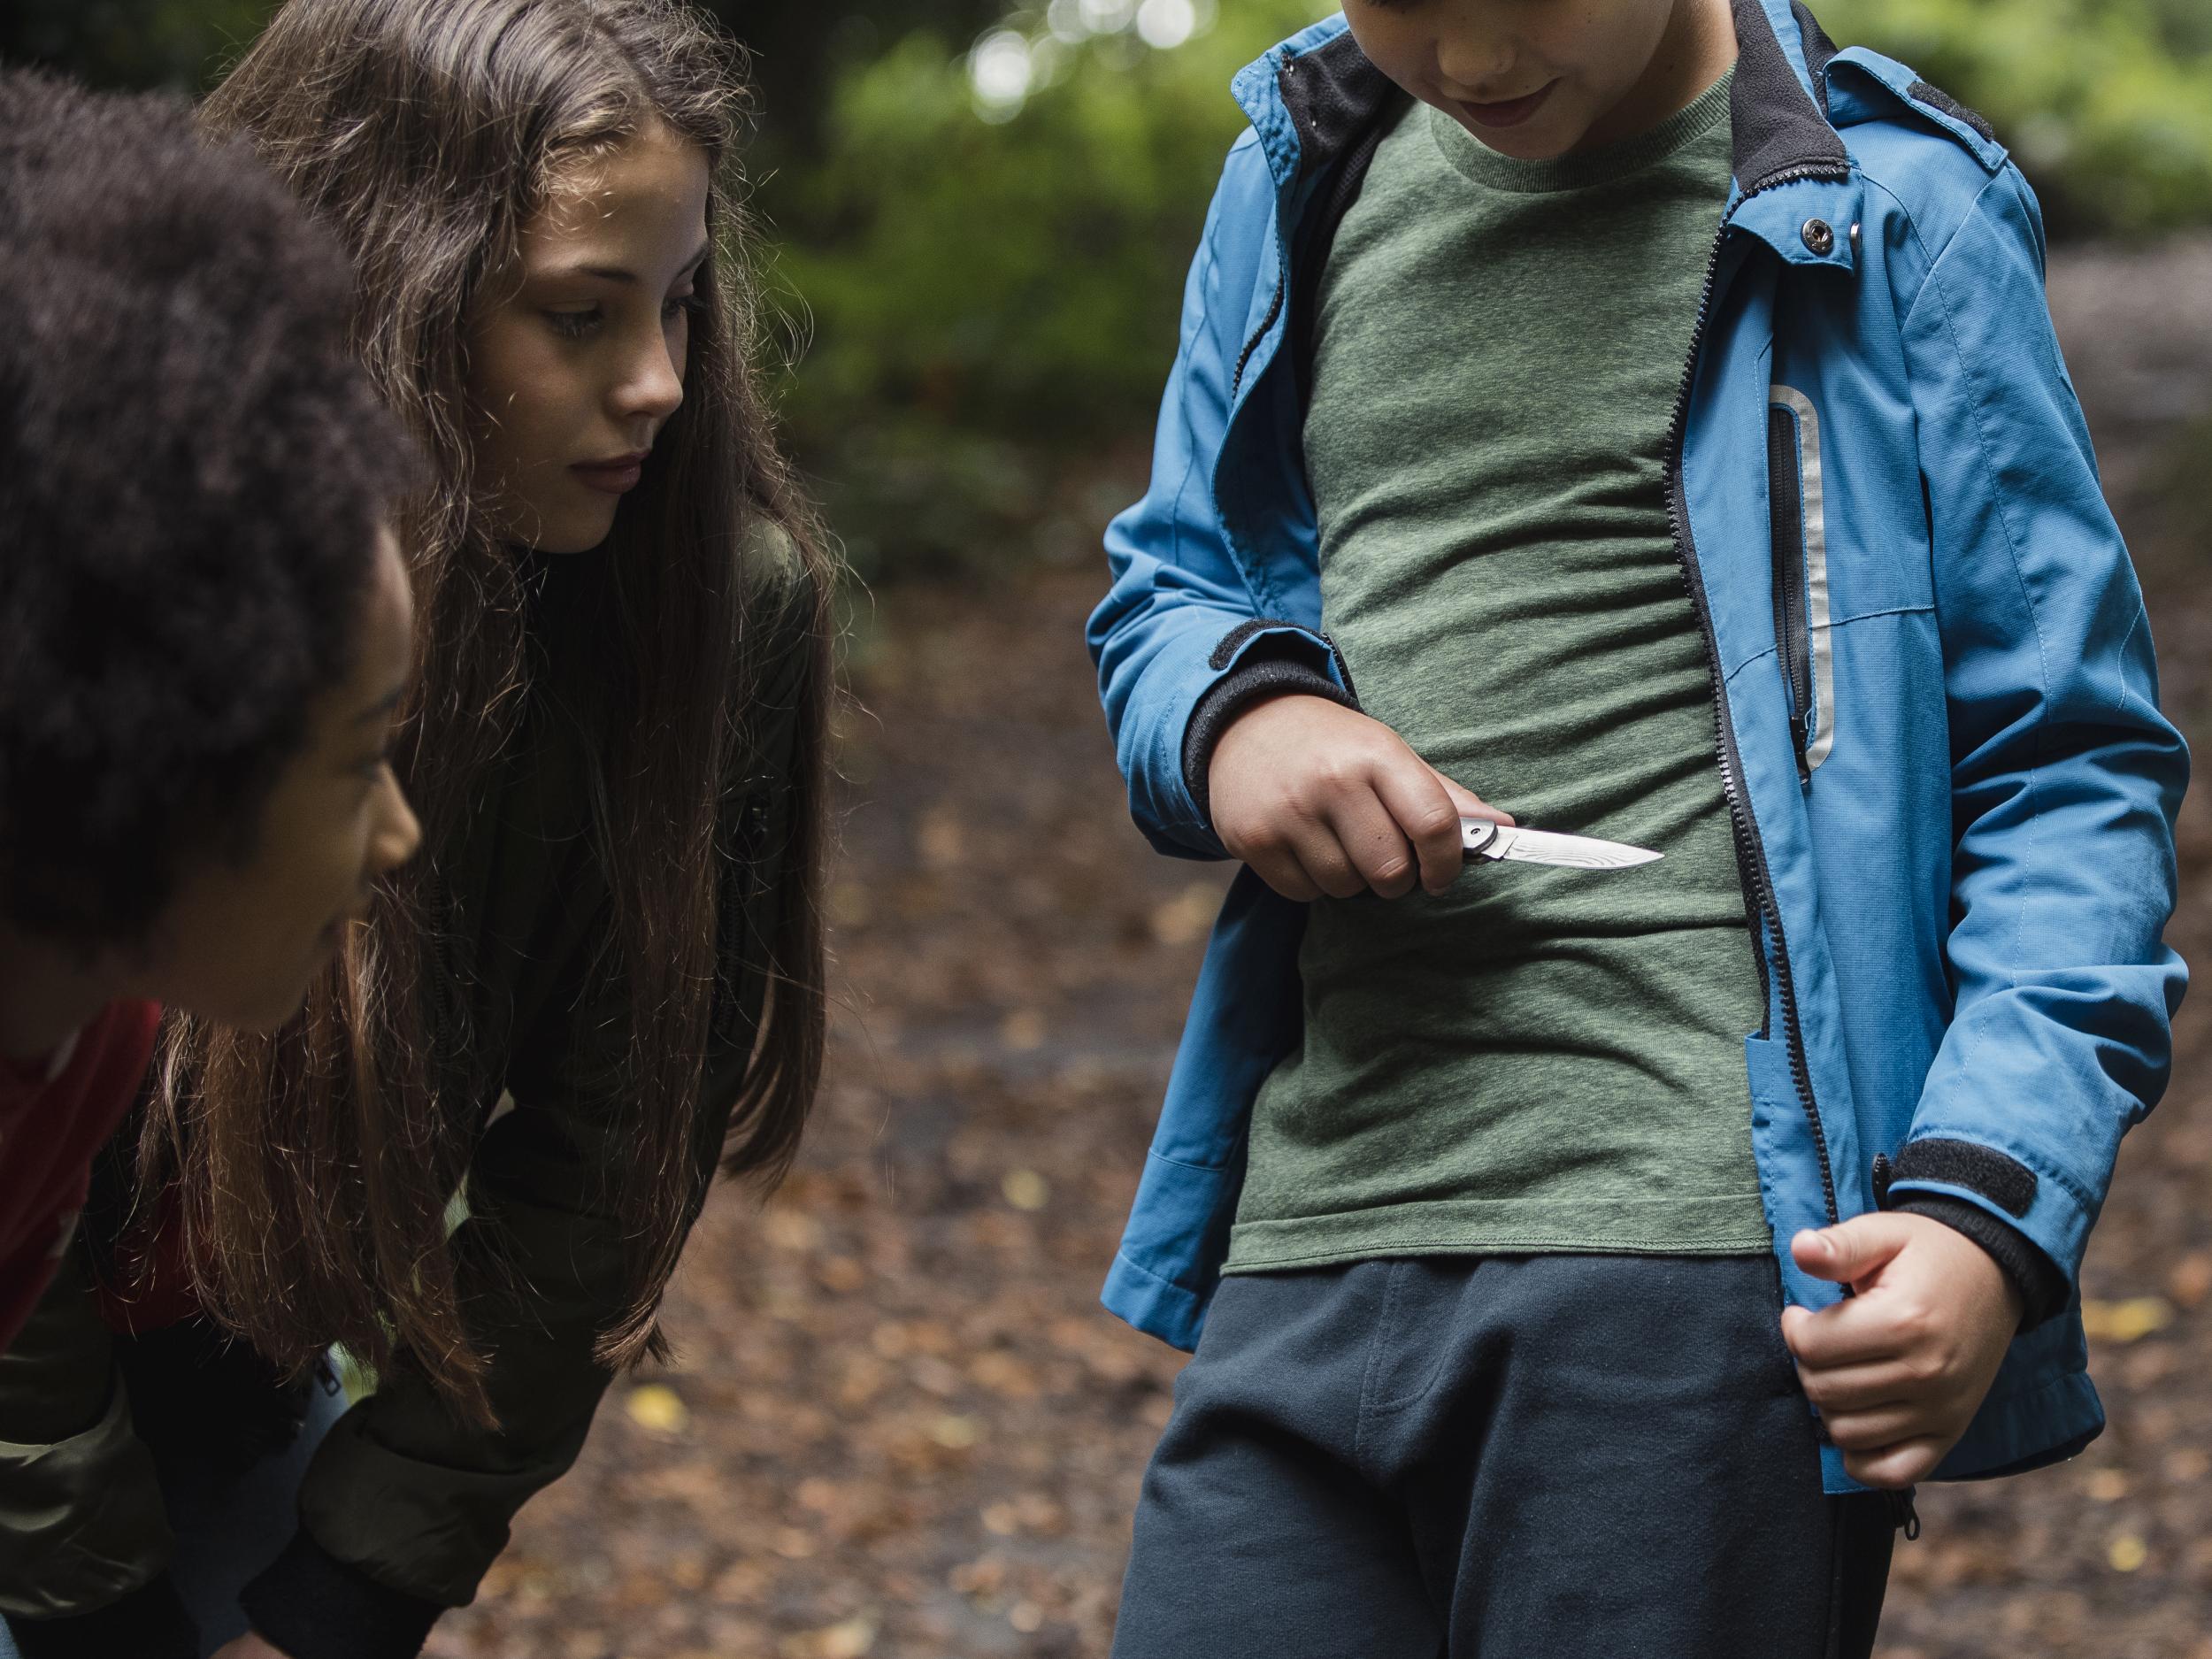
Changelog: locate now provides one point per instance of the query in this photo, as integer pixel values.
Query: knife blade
(1482, 841)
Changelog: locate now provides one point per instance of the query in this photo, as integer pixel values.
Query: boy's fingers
(1369, 834)
(1287, 876)
(1853, 1331)
(1276, 863)
(1858, 1388)
(1893, 1467)
(1467, 804)
(1849, 1252)
(1427, 816)
(1872, 1431)
(1320, 853)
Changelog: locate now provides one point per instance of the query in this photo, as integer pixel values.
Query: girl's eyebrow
(621, 274)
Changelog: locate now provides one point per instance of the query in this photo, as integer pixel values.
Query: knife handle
(1475, 836)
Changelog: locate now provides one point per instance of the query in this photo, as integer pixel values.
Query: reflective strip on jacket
(1952, 790)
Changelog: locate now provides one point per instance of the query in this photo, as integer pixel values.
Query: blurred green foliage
(175, 43)
(2106, 103)
(986, 293)
(980, 240)
(978, 298)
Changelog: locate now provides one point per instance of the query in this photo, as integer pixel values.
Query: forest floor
(899, 1424)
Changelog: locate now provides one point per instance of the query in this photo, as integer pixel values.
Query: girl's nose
(654, 387)
(398, 832)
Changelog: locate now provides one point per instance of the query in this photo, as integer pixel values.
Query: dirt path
(900, 1427)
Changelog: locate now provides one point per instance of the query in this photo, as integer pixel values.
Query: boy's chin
(1538, 141)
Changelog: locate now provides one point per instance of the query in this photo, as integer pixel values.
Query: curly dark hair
(193, 468)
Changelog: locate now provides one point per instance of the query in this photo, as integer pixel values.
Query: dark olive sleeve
(84, 1541)
(406, 1506)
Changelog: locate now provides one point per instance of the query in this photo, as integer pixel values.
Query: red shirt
(52, 1122)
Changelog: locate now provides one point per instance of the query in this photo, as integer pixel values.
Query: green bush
(2107, 104)
(980, 298)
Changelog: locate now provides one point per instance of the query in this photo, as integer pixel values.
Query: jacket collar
(1312, 97)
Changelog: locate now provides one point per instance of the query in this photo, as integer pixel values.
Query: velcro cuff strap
(2005, 1181)
(1228, 645)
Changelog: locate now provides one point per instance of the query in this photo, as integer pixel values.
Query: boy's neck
(45, 998)
(1697, 47)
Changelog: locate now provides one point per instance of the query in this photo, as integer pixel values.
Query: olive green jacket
(405, 1506)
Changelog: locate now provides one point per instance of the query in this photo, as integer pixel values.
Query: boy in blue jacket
(1660, 408)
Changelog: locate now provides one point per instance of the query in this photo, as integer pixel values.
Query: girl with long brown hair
(604, 975)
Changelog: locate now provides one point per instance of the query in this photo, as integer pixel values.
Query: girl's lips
(1512, 112)
(614, 477)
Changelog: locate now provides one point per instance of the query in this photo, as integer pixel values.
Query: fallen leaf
(956, 1433)
(2191, 1280)
(853, 1640)
(939, 839)
(1023, 1031)
(657, 1409)
(789, 1229)
(2128, 1321)
(842, 1274)
(1184, 918)
(1026, 1189)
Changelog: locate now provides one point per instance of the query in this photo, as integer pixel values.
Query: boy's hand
(1899, 1369)
(1320, 799)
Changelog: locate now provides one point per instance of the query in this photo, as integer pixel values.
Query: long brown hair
(311, 1171)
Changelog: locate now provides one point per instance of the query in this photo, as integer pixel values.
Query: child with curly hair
(204, 624)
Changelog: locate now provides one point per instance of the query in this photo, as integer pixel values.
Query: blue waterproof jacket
(1951, 788)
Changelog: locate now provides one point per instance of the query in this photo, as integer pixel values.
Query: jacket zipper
(1793, 629)
(1751, 865)
(1274, 309)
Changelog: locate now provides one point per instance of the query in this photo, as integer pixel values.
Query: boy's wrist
(1282, 665)
(2043, 1289)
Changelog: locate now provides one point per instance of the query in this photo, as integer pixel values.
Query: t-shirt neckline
(1580, 170)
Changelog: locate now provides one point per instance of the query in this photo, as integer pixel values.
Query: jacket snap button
(1820, 236)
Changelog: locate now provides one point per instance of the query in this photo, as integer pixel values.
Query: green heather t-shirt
(1538, 1059)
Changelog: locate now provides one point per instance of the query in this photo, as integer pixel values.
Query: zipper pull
(1883, 1172)
(1903, 1516)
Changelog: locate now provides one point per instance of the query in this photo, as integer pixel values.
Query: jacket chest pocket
(1798, 528)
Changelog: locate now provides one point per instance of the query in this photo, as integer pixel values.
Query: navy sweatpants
(1509, 1458)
